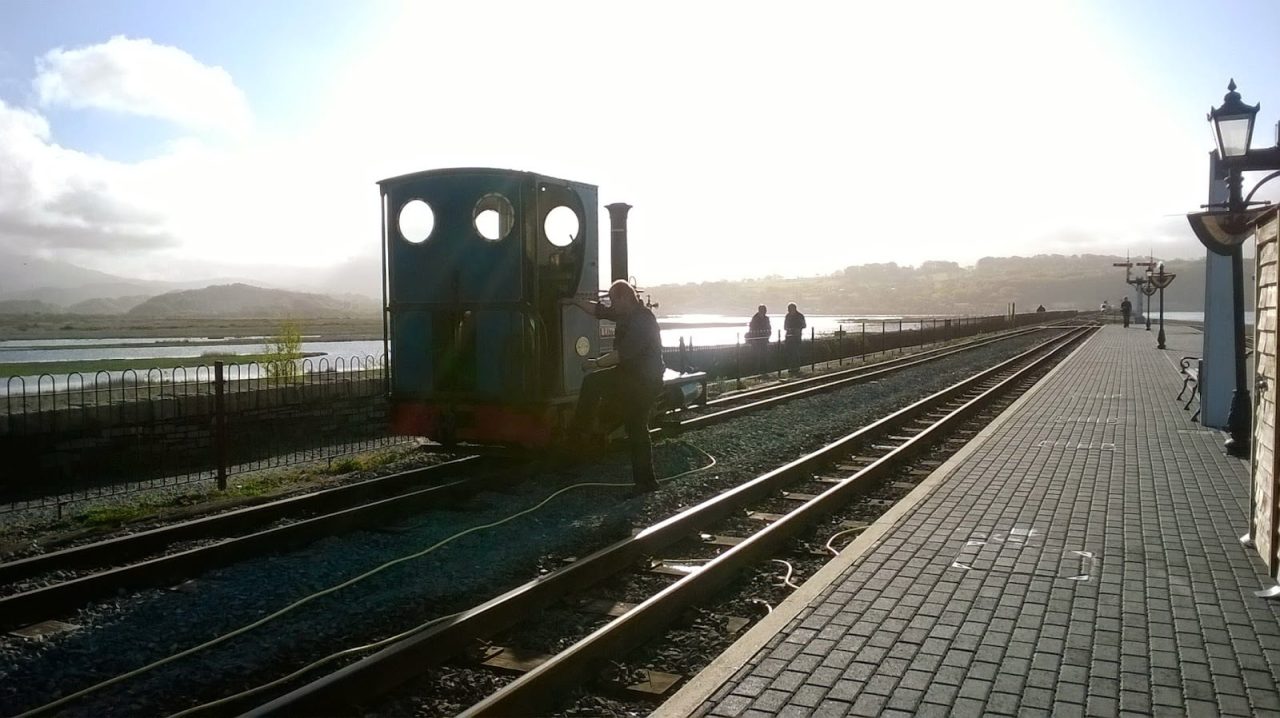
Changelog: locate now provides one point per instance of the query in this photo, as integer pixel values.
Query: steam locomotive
(480, 267)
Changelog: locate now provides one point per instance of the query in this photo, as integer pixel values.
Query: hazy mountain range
(31, 285)
(243, 300)
(59, 282)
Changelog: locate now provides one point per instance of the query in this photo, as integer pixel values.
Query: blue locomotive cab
(480, 266)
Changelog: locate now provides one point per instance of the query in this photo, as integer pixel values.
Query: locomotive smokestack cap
(618, 240)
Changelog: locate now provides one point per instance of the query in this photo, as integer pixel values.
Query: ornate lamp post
(1223, 229)
(1148, 288)
(1160, 281)
(1135, 282)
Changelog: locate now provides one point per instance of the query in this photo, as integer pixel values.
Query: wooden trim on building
(1264, 470)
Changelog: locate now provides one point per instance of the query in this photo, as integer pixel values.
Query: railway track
(149, 558)
(53, 584)
(728, 406)
(784, 502)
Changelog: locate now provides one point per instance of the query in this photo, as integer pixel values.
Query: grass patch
(344, 465)
(244, 486)
(143, 508)
(361, 462)
(112, 515)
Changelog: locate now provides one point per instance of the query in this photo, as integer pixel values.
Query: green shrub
(283, 352)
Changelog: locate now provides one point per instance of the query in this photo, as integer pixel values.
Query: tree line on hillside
(935, 287)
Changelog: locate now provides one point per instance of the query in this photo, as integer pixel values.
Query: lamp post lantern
(1159, 279)
(1233, 124)
(1224, 227)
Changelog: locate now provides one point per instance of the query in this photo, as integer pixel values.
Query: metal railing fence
(852, 339)
(76, 436)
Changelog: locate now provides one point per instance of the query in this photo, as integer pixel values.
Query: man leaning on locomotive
(629, 378)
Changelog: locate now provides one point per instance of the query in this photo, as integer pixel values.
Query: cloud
(53, 198)
(143, 78)
(740, 162)
(1167, 237)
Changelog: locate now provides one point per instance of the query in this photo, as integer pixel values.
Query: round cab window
(416, 221)
(493, 217)
(561, 226)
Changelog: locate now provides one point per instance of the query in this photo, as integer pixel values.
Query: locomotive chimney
(618, 239)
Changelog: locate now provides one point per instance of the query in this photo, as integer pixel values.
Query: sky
(205, 138)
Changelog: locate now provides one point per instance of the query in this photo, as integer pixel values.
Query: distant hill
(23, 274)
(107, 305)
(24, 277)
(27, 306)
(1056, 281)
(246, 301)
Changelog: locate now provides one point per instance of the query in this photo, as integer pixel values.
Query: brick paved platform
(1080, 556)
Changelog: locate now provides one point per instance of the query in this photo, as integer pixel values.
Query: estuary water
(698, 330)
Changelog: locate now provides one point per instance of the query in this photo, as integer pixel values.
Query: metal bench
(1190, 368)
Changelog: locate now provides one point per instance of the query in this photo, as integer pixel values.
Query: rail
(355, 684)
(348, 507)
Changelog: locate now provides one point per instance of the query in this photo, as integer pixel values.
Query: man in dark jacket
(758, 332)
(1125, 308)
(794, 326)
(629, 377)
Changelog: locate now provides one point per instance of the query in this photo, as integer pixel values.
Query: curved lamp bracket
(1265, 180)
(1222, 232)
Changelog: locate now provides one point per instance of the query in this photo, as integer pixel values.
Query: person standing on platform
(758, 332)
(1125, 308)
(629, 377)
(794, 326)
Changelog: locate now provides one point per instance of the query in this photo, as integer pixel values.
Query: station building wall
(1266, 516)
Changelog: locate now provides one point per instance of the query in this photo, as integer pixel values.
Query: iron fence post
(220, 424)
(779, 363)
(813, 359)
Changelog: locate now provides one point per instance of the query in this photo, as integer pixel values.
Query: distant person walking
(758, 332)
(1125, 308)
(794, 326)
